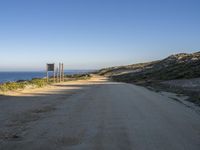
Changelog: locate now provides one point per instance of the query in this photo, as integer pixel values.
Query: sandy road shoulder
(95, 79)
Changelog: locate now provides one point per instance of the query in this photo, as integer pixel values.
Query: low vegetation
(179, 66)
(10, 86)
(38, 83)
(77, 77)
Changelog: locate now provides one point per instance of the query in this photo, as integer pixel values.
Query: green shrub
(12, 86)
(38, 82)
(78, 76)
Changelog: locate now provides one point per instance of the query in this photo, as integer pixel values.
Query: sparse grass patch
(77, 77)
(38, 82)
(11, 86)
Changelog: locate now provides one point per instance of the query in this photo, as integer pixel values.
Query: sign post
(50, 67)
(58, 72)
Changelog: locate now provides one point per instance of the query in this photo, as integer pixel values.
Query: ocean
(15, 76)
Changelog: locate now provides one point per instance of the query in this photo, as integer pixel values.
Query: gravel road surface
(96, 115)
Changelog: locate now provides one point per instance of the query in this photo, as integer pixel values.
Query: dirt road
(96, 115)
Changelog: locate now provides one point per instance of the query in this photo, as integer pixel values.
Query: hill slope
(179, 66)
(178, 73)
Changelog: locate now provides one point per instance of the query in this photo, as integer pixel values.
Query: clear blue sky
(90, 34)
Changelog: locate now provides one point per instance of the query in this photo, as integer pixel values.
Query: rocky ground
(190, 84)
(189, 87)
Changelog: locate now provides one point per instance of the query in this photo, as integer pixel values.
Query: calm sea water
(15, 76)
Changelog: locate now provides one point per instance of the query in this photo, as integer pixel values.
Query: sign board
(59, 72)
(50, 67)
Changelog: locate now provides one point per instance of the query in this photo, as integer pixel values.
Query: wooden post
(47, 73)
(63, 72)
(54, 80)
(59, 72)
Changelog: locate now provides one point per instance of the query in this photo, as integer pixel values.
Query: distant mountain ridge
(178, 66)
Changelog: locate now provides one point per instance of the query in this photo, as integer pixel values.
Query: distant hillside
(179, 66)
(126, 69)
